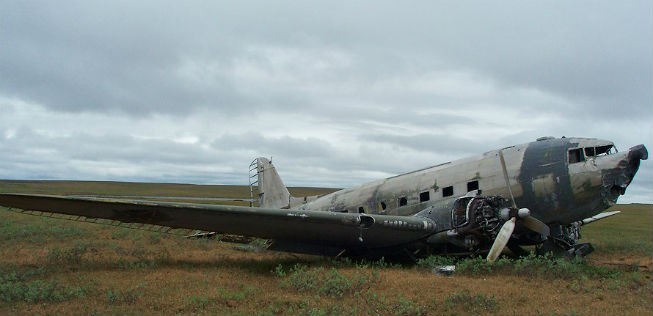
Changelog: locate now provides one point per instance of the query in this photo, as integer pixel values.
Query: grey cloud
(29, 154)
(286, 146)
(436, 143)
(124, 57)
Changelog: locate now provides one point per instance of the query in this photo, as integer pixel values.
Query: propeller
(536, 225)
(508, 227)
(501, 240)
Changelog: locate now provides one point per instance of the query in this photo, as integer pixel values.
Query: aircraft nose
(635, 155)
(616, 181)
(638, 152)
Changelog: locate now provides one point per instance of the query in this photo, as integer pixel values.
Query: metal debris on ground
(444, 270)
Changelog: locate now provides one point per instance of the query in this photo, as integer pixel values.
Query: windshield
(605, 150)
(579, 154)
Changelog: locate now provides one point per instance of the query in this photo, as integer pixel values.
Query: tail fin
(272, 193)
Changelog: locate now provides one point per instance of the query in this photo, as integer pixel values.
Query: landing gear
(516, 248)
(563, 242)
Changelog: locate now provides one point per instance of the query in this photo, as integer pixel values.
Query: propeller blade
(536, 225)
(502, 240)
(505, 177)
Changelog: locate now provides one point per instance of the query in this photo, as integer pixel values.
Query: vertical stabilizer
(272, 193)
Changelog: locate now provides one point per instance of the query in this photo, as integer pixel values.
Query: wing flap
(323, 228)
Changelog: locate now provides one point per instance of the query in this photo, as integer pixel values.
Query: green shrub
(303, 279)
(279, 271)
(334, 284)
(365, 264)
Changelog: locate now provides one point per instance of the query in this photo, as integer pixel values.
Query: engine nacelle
(475, 221)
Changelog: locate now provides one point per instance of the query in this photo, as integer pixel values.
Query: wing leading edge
(350, 231)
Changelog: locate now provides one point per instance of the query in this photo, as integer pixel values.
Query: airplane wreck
(539, 193)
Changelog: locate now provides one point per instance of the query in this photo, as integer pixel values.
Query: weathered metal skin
(544, 178)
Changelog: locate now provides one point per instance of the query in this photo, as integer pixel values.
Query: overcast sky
(338, 93)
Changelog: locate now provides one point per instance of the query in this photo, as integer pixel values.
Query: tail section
(272, 193)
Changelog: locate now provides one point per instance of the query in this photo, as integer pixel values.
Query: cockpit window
(605, 150)
(576, 155)
(598, 151)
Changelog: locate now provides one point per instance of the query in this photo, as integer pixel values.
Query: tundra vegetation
(55, 266)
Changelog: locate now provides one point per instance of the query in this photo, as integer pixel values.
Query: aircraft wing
(339, 230)
(599, 217)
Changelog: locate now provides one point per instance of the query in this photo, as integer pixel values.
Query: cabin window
(424, 196)
(403, 201)
(589, 152)
(576, 155)
(472, 186)
(448, 191)
(383, 205)
(361, 210)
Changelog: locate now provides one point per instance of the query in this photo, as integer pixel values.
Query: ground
(55, 266)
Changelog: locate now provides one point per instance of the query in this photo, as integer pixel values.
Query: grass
(51, 266)
(119, 296)
(331, 283)
(530, 266)
(32, 286)
(472, 304)
(634, 225)
(27, 230)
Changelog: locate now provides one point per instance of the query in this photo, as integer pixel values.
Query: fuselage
(560, 180)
